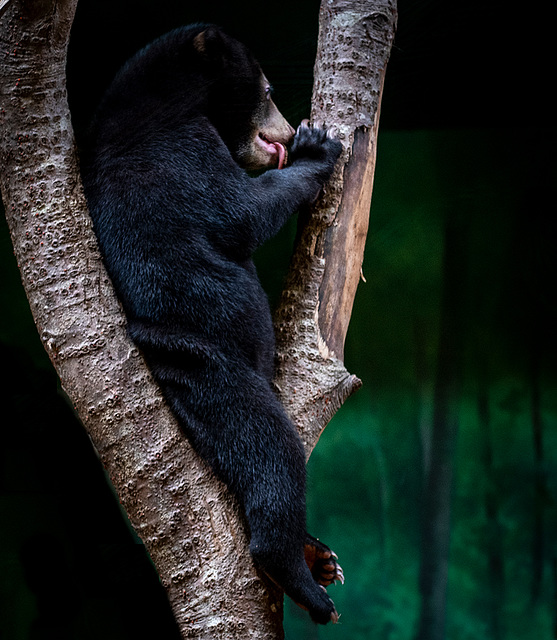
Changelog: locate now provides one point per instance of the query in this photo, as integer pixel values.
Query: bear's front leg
(275, 195)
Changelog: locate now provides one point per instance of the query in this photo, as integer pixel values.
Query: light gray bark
(355, 38)
(186, 518)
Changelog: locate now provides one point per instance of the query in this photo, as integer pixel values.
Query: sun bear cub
(178, 219)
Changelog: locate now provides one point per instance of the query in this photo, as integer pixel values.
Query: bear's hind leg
(295, 578)
(241, 429)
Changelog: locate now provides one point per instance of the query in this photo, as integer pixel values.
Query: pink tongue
(281, 151)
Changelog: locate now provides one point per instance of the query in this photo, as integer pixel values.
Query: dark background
(466, 145)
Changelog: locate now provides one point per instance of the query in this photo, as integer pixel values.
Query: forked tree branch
(186, 518)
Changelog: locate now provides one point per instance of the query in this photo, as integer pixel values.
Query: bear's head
(195, 71)
(239, 102)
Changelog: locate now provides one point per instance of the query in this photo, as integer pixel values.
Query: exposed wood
(355, 39)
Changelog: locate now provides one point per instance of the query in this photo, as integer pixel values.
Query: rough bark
(187, 520)
(355, 38)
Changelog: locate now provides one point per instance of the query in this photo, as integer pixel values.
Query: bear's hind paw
(322, 562)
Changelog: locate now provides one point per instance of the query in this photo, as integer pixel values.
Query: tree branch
(190, 525)
(355, 38)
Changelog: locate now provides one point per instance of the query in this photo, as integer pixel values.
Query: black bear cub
(178, 219)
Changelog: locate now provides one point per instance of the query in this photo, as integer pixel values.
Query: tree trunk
(423, 393)
(541, 489)
(436, 513)
(189, 523)
(496, 564)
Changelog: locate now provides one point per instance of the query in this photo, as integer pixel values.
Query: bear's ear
(210, 44)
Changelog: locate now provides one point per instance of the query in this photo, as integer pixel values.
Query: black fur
(177, 220)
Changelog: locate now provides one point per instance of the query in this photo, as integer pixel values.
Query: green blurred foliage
(366, 473)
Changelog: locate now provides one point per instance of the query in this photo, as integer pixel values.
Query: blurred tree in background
(460, 295)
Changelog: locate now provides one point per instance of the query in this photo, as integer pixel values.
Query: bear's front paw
(314, 143)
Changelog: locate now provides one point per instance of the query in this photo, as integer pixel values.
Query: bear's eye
(268, 91)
